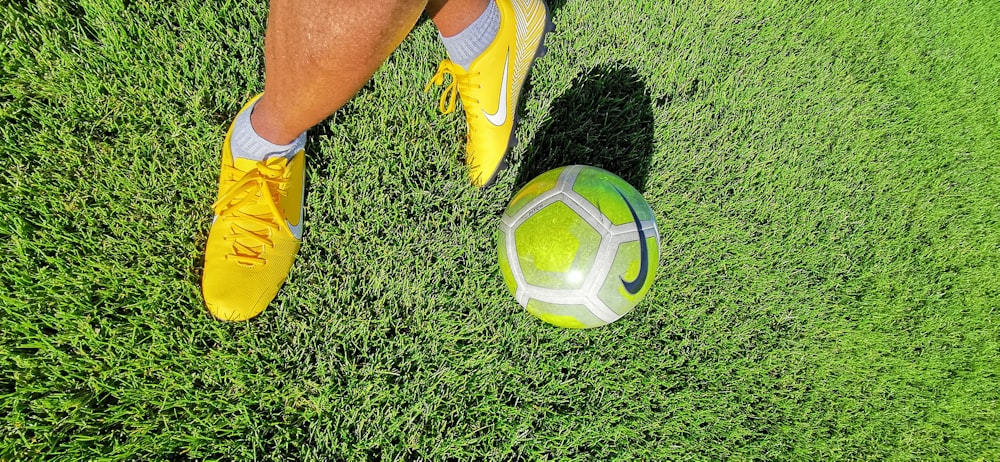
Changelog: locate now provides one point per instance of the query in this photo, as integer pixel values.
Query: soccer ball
(578, 247)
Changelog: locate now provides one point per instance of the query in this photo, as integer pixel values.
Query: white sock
(246, 143)
(464, 47)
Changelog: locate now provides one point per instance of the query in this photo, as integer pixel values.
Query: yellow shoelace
(460, 80)
(264, 183)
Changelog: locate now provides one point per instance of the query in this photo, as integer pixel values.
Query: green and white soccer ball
(578, 247)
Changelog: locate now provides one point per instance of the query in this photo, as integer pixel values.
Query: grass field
(826, 176)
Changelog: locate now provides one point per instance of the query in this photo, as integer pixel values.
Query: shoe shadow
(605, 120)
(555, 5)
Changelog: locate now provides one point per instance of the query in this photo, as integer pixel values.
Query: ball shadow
(605, 120)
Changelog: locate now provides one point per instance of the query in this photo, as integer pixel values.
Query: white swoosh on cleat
(296, 229)
(500, 117)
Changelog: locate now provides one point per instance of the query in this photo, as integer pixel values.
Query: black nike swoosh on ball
(634, 286)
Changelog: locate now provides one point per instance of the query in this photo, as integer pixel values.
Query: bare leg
(319, 53)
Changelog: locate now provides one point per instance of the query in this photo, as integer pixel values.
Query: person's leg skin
(319, 53)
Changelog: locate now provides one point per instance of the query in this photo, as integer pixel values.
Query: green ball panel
(533, 189)
(600, 188)
(556, 248)
(570, 316)
(508, 275)
(626, 266)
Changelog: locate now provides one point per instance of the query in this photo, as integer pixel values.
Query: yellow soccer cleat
(491, 87)
(255, 234)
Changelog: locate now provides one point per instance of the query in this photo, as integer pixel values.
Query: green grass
(825, 176)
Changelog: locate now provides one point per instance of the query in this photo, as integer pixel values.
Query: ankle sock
(464, 47)
(247, 144)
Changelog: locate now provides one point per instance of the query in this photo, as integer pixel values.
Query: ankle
(268, 127)
(453, 16)
(468, 43)
(248, 142)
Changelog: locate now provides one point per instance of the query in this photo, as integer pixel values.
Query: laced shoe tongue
(251, 206)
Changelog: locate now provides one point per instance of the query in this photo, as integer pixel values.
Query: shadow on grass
(604, 120)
